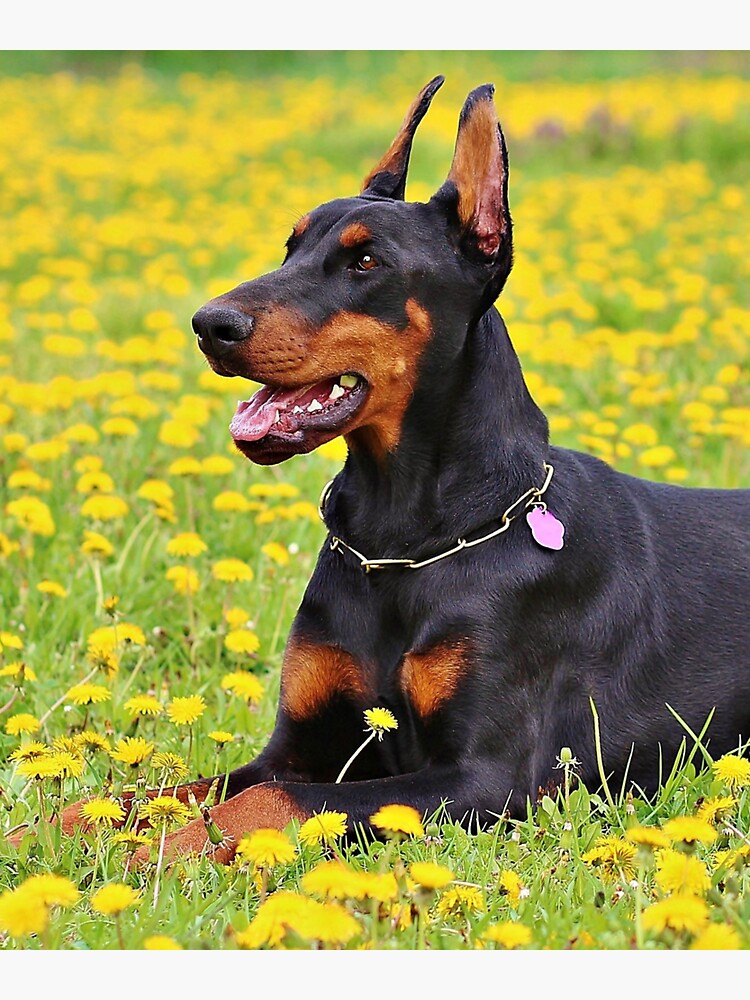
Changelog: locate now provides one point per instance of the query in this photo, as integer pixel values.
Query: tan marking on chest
(431, 678)
(312, 675)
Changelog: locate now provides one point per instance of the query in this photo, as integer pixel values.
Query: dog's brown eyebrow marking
(355, 232)
(313, 674)
(302, 225)
(431, 678)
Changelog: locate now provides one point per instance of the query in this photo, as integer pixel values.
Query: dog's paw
(189, 840)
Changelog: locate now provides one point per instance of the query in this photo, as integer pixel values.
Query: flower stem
(159, 862)
(356, 753)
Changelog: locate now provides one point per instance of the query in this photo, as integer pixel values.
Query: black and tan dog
(476, 581)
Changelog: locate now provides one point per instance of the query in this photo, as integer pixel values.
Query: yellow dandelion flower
(110, 636)
(690, 829)
(380, 720)
(282, 490)
(95, 544)
(53, 764)
(276, 552)
(51, 889)
(184, 579)
(131, 841)
(104, 508)
(680, 912)
(231, 501)
(717, 937)
(511, 885)
(29, 751)
(103, 659)
(22, 913)
(241, 640)
(156, 490)
(160, 942)
(236, 617)
(113, 898)
(95, 481)
(323, 827)
(52, 588)
(328, 923)
(186, 711)
(188, 543)
(430, 875)
(22, 723)
(508, 934)
(265, 848)
(10, 641)
(132, 750)
(90, 740)
(217, 465)
(244, 684)
(179, 434)
(677, 872)
(459, 900)
(221, 737)
(165, 811)
(120, 427)
(26, 479)
(88, 694)
(647, 836)
(32, 514)
(232, 571)
(398, 819)
(335, 880)
(143, 704)
(19, 670)
(714, 809)
(654, 458)
(613, 857)
(103, 812)
(733, 770)
(640, 434)
(171, 765)
(186, 466)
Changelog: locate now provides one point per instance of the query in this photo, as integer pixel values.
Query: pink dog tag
(546, 529)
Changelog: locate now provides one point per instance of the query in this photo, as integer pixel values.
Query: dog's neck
(473, 440)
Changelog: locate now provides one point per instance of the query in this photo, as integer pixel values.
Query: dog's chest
(371, 646)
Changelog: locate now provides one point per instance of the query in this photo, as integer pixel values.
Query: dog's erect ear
(478, 178)
(388, 178)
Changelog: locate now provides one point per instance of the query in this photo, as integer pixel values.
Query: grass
(136, 189)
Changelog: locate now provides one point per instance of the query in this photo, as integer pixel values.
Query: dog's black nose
(220, 328)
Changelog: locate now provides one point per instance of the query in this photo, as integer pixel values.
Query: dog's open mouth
(279, 422)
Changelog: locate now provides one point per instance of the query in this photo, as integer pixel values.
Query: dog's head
(371, 286)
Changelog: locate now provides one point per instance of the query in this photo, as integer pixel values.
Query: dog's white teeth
(297, 409)
(348, 381)
(278, 417)
(315, 405)
(336, 392)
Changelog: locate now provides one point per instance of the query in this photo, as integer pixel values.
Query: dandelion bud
(193, 803)
(139, 795)
(210, 800)
(566, 755)
(215, 835)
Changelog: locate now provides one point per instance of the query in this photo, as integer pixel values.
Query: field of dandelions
(149, 574)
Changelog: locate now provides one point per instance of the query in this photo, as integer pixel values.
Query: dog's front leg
(473, 792)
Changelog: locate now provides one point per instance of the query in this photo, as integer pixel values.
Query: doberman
(481, 584)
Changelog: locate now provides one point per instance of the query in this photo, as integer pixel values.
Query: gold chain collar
(533, 498)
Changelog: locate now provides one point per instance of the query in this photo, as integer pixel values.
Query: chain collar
(531, 498)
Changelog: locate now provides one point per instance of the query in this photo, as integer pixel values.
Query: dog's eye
(365, 263)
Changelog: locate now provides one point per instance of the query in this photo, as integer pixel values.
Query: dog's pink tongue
(254, 418)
